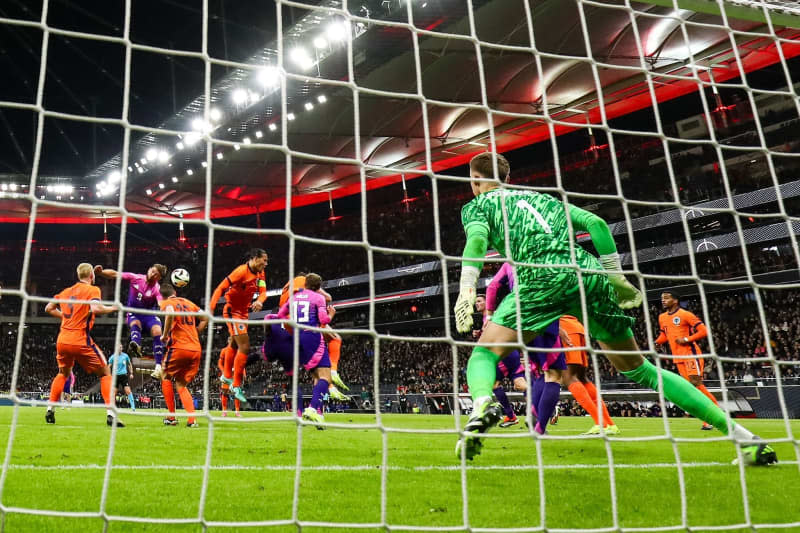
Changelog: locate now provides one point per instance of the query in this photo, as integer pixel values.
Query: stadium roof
(524, 94)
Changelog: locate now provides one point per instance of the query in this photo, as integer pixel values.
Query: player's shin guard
(316, 396)
(238, 368)
(169, 394)
(682, 393)
(481, 372)
(105, 390)
(187, 402)
(592, 390)
(57, 387)
(136, 333)
(158, 349)
(500, 394)
(536, 394)
(546, 405)
(581, 395)
(334, 351)
(132, 401)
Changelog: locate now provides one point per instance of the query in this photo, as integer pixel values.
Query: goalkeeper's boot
(312, 415)
(50, 417)
(226, 381)
(480, 421)
(157, 373)
(110, 421)
(554, 418)
(594, 430)
(170, 421)
(612, 430)
(758, 454)
(338, 381)
(706, 427)
(238, 394)
(336, 394)
(508, 422)
(135, 349)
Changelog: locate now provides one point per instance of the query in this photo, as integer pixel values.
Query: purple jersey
(142, 294)
(308, 308)
(504, 276)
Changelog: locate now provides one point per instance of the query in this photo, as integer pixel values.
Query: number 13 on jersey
(300, 311)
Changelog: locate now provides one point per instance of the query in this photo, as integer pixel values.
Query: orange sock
(169, 394)
(105, 390)
(224, 399)
(57, 387)
(230, 355)
(702, 388)
(238, 368)
(188, 403)
(581, 395)
(236, 404)
(592, 390)
(334, 351)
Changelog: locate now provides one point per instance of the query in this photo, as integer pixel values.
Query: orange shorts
(690, 367)
(89, 356)
(233, 327)
(577, 357)
(182, 365)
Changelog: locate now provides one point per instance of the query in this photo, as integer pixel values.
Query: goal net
(338, 143)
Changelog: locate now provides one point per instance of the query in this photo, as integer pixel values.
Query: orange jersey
(76, 319)
(680, 324)
(298, 283)
(183, 334)
(239, 287)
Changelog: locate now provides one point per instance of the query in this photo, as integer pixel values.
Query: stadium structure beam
(737, 11)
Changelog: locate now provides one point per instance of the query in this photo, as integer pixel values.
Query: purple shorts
(543, 361)
(147, 321)
(279, 346)
(510, 367)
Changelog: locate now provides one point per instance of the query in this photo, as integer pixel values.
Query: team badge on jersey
(676, 320)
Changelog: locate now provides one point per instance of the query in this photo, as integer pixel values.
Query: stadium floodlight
(204, 164)
(163, 156)
(140, 169)
(160, 185)
(50, 188)
(174, 179)
(215, 114)
(246, 140)
(236, 147)
(130, 169)
(3, 187)
(148, 192)
(300, 57)
(99, 194)
(101, 185)
(338, 31)
(201, 125)
(81, 198)
(143, 161)
(320, 42)
(272, 127)
(309, 106)
(114, 176)
(219, 155)
(259, 134)
(268, 76)
(254, 96)
(321, 98)
(189, 172)
(179, 145)
(13, 186)
(239, 96)
(191, 138)
(151, 154)
(289, 116)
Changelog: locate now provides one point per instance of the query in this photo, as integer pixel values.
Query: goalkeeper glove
(628, 296)
(466, 299)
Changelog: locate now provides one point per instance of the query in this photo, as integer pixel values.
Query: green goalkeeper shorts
(545, 298)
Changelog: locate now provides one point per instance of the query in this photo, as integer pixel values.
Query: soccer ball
(179, 277)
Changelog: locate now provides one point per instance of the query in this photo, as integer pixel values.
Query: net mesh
(773, 18)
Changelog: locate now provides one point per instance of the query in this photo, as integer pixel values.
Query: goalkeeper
(538, 234)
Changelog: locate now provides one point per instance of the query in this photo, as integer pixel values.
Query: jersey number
(523, 204)
(68, 307)
(302, 308)
(185, 320)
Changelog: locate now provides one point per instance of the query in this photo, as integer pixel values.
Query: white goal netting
(589, 101)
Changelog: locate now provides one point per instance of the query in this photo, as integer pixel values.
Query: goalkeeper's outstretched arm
(474, 252)
(628, 296)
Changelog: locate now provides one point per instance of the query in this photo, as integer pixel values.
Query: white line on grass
(357, 468)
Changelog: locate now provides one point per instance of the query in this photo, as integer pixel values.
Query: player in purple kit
(307, 308)
(144, 293)
(509, 367)
(549, 365)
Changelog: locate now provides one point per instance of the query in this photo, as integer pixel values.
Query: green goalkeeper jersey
(538, 230)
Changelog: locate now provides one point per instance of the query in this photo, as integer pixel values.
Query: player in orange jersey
(574, 378)
(183, 355)
(239, 287)
(74, 341)
(333, 339)
(682, 329)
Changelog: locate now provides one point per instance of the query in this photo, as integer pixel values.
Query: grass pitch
(158, 472)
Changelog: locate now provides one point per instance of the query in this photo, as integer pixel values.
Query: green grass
(253, 477)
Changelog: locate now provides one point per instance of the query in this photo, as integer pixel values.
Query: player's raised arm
(97, 307)
(628, 296)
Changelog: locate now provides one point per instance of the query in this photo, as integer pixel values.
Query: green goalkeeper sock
(682, 393)
(481, 372)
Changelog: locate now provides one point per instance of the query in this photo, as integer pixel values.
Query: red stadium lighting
(413, 308)
(181, 236)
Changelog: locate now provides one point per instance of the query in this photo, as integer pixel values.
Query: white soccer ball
(179, 277)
